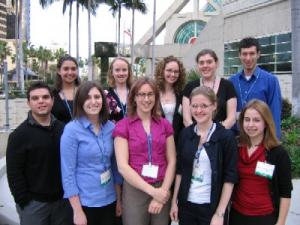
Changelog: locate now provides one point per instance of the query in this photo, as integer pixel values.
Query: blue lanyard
(67, 104)
(209, 133)
(149, 141)
(244, 100)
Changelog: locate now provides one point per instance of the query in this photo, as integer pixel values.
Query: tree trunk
(70, 26)
(295, 14)
(119, 27)
(20, 47)
(132, 37)
(90, 63)
(77, 31)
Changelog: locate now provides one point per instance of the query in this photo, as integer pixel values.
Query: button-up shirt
(263, 86)
(131, 128)
(84, 157)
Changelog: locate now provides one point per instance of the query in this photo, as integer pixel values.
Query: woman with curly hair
(170, 80)
(119, 80)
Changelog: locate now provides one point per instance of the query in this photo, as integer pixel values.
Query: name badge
(264, 169)
(105, 177)
(150, 170)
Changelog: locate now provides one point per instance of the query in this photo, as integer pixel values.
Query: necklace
(213, 86)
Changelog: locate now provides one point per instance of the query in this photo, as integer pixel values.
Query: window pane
(284, 67)
(286, 47)
(284, 38)
(284, 57)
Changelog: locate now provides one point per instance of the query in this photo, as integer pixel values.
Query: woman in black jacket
(206, 172)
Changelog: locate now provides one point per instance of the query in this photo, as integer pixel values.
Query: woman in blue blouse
(88, 165)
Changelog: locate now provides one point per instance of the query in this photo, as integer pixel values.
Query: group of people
(152, 151)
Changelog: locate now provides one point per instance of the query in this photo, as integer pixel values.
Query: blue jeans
(44, 213)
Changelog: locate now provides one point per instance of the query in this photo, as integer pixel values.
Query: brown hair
(82, 95)
(207, 51)
(110, 78)
(133, 92)
(160, 70)
(58, 81)
(205, 91)
(270, 140)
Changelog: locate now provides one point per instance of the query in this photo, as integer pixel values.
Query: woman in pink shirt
(146, 157)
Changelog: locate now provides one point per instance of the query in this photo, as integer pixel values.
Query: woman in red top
(263, 193)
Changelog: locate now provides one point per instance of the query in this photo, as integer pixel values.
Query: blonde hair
(270, 140)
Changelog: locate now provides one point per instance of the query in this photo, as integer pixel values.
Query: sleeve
(15, 167)
(168, 127)
(68, 155)
(230, 156)
(275, 103)
(121, 129)
(190, 87)
(230, 90)
(283, 169)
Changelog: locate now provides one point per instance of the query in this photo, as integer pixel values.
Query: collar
(215, 135)
(85, 122)
(135, 118)
(254, 74)
(32, 121)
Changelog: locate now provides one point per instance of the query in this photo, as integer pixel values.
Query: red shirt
(252, 194)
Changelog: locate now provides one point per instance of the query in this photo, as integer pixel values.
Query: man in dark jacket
(33, 162)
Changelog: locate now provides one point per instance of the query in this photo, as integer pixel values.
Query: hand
(217, 220)
(174, 212)
(118, 208)
(155, 207)
(79, 218)
(161, 195)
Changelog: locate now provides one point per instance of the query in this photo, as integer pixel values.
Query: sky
(49, 27)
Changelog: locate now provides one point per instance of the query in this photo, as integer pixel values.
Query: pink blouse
(131, 128)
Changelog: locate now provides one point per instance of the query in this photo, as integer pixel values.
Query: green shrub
(291, 141)
(192, 75)
(286, 111)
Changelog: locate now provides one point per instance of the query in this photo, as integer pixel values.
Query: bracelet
(219, 214)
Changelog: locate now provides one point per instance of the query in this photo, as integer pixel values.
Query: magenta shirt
(131, 128)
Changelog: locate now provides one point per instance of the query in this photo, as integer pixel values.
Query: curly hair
(110, 78)
(160, 70)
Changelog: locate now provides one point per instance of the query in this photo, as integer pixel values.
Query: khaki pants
(135, 208)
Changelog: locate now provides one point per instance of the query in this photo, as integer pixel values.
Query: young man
(254, 82)
(33, 162)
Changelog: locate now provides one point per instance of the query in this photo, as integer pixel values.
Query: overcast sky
(49, 26)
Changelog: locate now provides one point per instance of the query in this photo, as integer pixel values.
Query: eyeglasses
(201, 106)
(144, 95)
(176, 72)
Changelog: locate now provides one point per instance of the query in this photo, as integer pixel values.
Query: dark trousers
(105, 215)
(194, 214)
(44, 213)
(237, 218)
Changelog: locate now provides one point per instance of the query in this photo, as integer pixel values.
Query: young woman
(119, 81)
(145, 153)
(170, 79)
(206, 165)
(89, 172)
(67, 81)
(207, 62)
(263, 193)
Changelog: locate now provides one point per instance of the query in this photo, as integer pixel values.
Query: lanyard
(67, 105)
(209, 133)
(149, 142)
(244, 99)
(123, 107)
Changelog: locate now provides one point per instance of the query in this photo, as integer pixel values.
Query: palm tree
(4, 50)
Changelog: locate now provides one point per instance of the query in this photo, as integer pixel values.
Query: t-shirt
(226, 91)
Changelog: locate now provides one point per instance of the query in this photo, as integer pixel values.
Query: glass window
(286, 47)
(285, 57)
(284, 38)
(284, 67)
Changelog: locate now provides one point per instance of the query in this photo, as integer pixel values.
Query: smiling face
(93, 104)
(145, 99)
(249, 57)
(120, 71)
(207, 66)
(68, 72)
(253, 124)
(40, 102)
(202, 109)
(171, 72)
